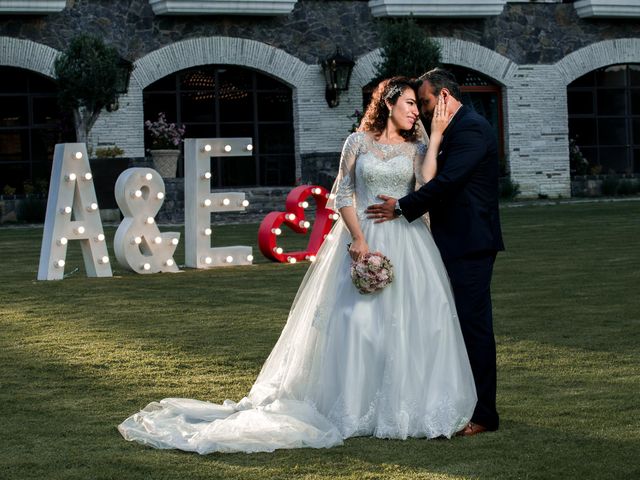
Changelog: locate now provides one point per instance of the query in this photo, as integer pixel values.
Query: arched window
(604, 119)
(30, 125)
(229, 101)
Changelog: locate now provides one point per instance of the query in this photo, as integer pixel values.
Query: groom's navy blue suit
(462, 201)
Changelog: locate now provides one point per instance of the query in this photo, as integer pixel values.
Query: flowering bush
(372, 273)
(357, 118)
(578, 164)
(164, 135)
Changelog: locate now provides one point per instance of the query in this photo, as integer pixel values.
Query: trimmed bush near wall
(509, 189)
(605, 185)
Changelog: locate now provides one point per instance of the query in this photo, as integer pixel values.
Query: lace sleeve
(420, 156)
(344, 186)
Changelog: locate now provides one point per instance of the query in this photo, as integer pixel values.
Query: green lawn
(78, 356)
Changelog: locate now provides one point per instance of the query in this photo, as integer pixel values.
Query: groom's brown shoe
(472, 429)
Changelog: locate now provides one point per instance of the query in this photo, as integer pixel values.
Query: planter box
(608, 8)
(105, 173)
(437, 8)
(222, 7)
(31, 6)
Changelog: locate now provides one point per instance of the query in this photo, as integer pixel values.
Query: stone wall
(533, 50)
(526, 33)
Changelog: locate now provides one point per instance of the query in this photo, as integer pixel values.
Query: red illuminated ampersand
(294, 218)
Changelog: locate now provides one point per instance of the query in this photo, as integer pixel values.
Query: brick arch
(454, 51)
(219, 50)
(597, 55)
(15, 52)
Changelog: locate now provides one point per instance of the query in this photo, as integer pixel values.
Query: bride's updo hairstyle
(377, 113)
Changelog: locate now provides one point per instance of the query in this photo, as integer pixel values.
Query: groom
(462, 201)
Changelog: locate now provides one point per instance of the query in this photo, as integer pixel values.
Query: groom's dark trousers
(462, 201)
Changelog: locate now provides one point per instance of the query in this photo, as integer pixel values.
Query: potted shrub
(165, 145)
(406, 49)
(90, 76)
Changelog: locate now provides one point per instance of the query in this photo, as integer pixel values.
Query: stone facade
(533, 50)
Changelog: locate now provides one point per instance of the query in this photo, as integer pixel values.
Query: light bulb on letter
(78, 155)
(226, 202)
(148, 176)
(160, 195)
(229, 259)
(227, 148)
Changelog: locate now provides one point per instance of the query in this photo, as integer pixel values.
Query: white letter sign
(72, 214)
(138, 244)
(200, 202)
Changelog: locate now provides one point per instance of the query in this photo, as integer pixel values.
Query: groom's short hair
(440, 78)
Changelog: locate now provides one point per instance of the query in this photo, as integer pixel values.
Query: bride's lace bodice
(369, 169)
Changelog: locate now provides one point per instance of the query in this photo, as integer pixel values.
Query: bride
(391, 364)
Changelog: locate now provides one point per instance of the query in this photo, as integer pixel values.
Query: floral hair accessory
(371, 273)
(396, 89)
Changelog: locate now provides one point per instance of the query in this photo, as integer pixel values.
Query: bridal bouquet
(372, 272)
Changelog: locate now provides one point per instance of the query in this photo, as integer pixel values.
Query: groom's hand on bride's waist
(382, 212)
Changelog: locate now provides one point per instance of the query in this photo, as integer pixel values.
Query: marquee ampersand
(294, 218)
(138, 244)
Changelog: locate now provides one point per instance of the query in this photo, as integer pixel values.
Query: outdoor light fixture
(337, 72)
(123, 74)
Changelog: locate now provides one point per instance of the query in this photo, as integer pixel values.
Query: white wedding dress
(390, 364)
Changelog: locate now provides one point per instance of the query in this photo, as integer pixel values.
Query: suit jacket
(462, 199)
